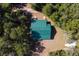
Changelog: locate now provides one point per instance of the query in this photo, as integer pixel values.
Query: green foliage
(74, 52)
(19, 49)
(20, 31)
(47, 10)
(7, 27)
(77, 45)
(2, 42)
(58, 53)
(4, 5)
(13, 34)
(14, 38)
(38, 6)
(22, 17)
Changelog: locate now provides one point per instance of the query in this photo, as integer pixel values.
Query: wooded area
(14, 31)
(15, 27)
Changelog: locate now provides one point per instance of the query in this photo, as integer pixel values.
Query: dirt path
(50, 45)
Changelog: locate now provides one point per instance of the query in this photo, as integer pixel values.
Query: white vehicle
(71, 44)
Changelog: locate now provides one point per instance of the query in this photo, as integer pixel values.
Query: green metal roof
(40, 29)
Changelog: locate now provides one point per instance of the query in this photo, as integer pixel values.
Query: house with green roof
(41, 29)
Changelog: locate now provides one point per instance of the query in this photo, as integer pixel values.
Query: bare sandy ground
(50, 45)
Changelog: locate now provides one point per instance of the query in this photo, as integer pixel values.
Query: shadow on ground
(38, 48)
(18, 5)
(53, 32)
(36, 35)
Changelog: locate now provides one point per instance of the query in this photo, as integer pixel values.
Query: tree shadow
(26, 21)
(35, 35)
(53, 32)
(35, 54)
(18, 5)
(33, 20)
(41, 48)
(29, 17)
(38, 47)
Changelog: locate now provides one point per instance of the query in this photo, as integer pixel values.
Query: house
(41, 29)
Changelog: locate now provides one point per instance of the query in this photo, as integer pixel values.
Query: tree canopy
(14, 31)
(74, 52)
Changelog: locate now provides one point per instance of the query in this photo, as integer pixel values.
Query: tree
(19, 49)
(38, 6)
(2, 42)
(59, 53)
(7, 27)
(75, 52)
(47, 10)
(13, 34)
(4, 5)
